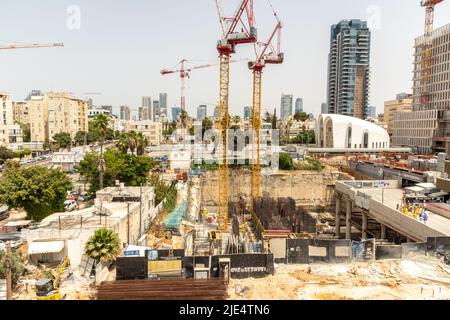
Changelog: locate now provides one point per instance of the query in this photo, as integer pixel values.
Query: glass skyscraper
(349, 69)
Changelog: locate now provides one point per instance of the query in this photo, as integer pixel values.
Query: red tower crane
(226, 47)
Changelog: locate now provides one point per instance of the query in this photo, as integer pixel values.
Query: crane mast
(257, 66)
(226, 47)
(427, 50)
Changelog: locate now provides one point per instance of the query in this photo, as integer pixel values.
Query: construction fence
(308, 251)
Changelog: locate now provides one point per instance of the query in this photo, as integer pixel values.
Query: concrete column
(337, 230)
(364, 225)
(348, 218)
(383, 232)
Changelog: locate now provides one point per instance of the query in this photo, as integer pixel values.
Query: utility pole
(8, 271)
(140, 213)
(128, 223)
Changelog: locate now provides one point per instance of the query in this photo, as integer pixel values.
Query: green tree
(81, 138)
(38, 190)
(301, 116)
(63, 139)
(101, 124)
(22, 153)
(142, 143)
(286, 162)
(25, 130)
(103, 246)
(17, 266)
(5, 154)
(130, 169)
(274, 119)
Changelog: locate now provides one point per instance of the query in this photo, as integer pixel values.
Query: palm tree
(142, 143)
(103, 246)
(289, 125)
(132, 138)
(101, 125)
(122, 144)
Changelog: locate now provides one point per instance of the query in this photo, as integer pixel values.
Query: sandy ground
(422, 279)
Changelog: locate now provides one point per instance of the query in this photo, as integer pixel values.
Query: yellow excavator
(48, 289)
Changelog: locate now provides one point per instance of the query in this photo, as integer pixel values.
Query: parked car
(4, 213)
(84, 196)
(70, 205)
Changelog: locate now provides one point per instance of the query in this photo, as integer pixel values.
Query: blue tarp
(176, 216)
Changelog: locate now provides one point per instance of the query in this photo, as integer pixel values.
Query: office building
(372, 112)
(298, 105)
(202, 112)
(248, 113)
(176, 111)
(125, 113)
(147, 104)
(156, 109)
(403, 103)
(426, 128)
(349, 69)
(286, 106)
(34, 93)
(143, 113)
(324, 108)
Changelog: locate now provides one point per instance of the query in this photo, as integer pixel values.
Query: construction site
(346, 231)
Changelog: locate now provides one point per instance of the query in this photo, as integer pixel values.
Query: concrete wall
(413, 249)
(388, 252)
(305, 251)
(307, 188)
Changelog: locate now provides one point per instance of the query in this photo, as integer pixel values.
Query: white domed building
(342, 132)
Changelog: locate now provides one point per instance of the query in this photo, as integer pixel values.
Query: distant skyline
(120, 48)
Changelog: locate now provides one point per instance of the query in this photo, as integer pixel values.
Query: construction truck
(48, 289)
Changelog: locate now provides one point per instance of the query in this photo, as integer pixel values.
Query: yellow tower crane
(226, 47)
(269, 55)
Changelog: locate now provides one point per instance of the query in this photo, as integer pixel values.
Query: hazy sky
(121, 46)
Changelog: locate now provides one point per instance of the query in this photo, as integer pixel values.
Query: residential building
(55, 113)
(20, 112)
(426, 128)
(216, 113)
(11, 135)
(6, 115)
(92, 113)
(403, 103)
(125, 113)
(176, 111)
(38, 113)
(286, 106)
(202, 112)
(108, 108)
(324, 108)
(66, 114)
(349, 69)
(147, 104)
(298, 105)
(152, 130)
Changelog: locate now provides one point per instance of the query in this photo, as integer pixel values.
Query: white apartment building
(152, 130)
(11, 135)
